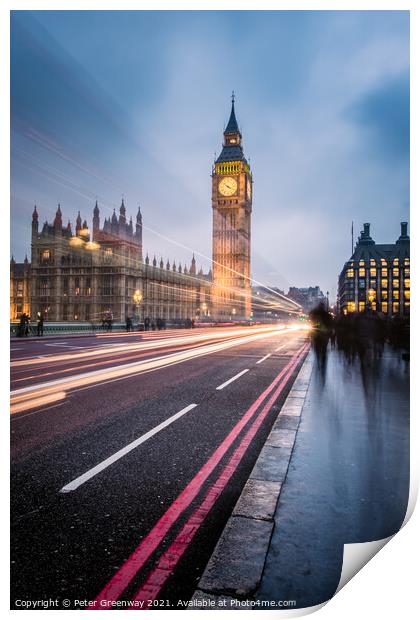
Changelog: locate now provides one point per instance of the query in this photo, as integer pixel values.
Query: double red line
(166, 563)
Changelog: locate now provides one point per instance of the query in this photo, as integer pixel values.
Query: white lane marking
(263, 358)
(17, 349)
(223, 385)
(280, 348)
(77, 482)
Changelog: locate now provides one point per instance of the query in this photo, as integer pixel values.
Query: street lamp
(233, 312)
(204, 306)
(137, 297)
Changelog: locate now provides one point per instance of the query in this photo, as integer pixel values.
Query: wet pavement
(348, 479)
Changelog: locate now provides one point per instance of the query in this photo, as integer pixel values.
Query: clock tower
(232, 206)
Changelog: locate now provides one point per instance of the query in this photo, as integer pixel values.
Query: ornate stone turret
(122, 219)
(185, 270)
(139, 227)
(34, 222)
(193, 269)
(96, 220)
(161, 263)
(179, 268)
(114, 224)
(168, 264)
(154, 261)
(78, 223)
(58, 223)
(174, 266)
(147, 261)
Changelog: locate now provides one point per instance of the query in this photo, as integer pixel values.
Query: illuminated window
(362, 272)
(384, 307)
(361, 263)
(108, 251)
(384, 283)
(407, 283)
(406, 261)
(350, 273)
(395, 272)
(373, 305)
(406, 273)
(46, 254)
(406, 294)
(351, 306)
(362, 306)
(395, 307)
(384, 294)
(406, 304)
(395, 283)
(383, 261)
(373, 262)
(373, 283)
(384, 272)
(396, 294)
(395, 261)
(373, 272)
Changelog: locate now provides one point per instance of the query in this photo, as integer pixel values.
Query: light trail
(28, 397)
(125, 348)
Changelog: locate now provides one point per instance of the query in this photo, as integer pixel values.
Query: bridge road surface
(125, 445)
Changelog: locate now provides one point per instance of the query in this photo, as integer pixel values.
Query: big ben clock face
(228, 186)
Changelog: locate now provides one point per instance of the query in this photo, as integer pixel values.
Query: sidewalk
(334, 470)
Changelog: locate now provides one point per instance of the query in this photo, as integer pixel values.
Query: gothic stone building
(377, 276)
(97, 271)
(94, 273)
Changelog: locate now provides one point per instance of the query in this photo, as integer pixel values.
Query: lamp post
(137, 297)
(204, 307)
(233, 313)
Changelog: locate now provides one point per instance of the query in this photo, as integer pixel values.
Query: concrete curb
(235, 568)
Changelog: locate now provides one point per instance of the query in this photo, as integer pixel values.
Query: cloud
(383, 116)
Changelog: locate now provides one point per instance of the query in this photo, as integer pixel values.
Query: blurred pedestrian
(40, 324)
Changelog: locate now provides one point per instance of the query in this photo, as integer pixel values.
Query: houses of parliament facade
(85, 274)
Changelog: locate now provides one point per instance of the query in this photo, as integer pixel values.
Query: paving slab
(258, 500)
(272, 464)
(290, 422)
(281, 438)
(236, 565)
(291, 409)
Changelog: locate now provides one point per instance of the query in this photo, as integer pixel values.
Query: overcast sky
(106, 104)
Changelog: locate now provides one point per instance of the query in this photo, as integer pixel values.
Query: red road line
(158, 576)
(122, 578)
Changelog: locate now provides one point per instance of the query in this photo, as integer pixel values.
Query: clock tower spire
(232, 207)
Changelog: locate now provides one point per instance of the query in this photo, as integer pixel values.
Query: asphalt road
(127, 446)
